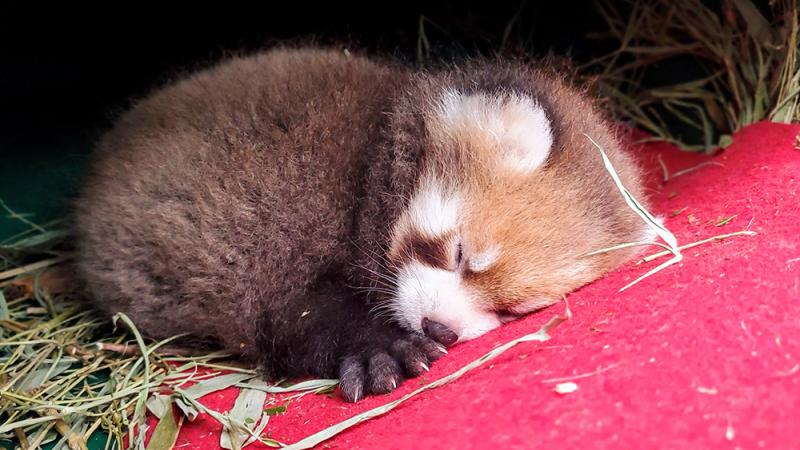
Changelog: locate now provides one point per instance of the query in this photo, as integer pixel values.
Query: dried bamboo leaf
(642, 212)
(247, 409)
(37, 241)
(3, 308)
(758, 26)
(158, 404)
(71, 434)
(41, 375)
(205, 387)
(258, 431)
(166, 432)
(303, 386)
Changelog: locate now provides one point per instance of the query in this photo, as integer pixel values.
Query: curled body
(320, 213)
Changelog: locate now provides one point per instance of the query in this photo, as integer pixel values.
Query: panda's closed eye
(484, 259)
(459, 254)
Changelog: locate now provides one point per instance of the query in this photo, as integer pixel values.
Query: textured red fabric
(705, 354)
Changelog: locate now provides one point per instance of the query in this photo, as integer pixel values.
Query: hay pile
(748, 67)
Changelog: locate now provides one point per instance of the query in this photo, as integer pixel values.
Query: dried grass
(66, 376)
(750, 65)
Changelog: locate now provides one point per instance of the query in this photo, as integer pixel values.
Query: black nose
(439, 332)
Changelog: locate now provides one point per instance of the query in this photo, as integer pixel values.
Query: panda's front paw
(381, 369)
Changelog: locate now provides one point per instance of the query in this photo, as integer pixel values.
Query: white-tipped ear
(516, 122)
(527, 138)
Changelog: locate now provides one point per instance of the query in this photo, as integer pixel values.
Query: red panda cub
(320, 213)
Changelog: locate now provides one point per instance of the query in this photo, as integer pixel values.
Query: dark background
(66, 71)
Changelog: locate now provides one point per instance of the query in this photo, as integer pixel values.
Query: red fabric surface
(705, 354)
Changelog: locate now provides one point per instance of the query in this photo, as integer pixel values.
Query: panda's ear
(527, 137)
(516, 122)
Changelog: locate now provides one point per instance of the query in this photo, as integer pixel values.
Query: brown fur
(231, 188)
(246, 204)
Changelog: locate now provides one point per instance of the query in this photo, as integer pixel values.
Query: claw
(424, 366)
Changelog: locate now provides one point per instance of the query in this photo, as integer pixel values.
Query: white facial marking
(432, 210)
(518, 124)
(439, 295)
(483, 260)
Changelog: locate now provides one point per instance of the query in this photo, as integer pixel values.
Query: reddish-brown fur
(249, 203)
(545, 221)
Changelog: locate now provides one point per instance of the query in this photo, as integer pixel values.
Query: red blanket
(705, 354)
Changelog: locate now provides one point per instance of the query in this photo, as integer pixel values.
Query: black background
(67, 70)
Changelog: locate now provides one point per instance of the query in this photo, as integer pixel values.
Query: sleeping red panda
(319, 213)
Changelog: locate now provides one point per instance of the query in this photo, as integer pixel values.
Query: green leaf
(3, 307)
(725, 220)
(166, 431)
(274, 411)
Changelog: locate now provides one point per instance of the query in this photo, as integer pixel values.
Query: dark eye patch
(431, 251)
